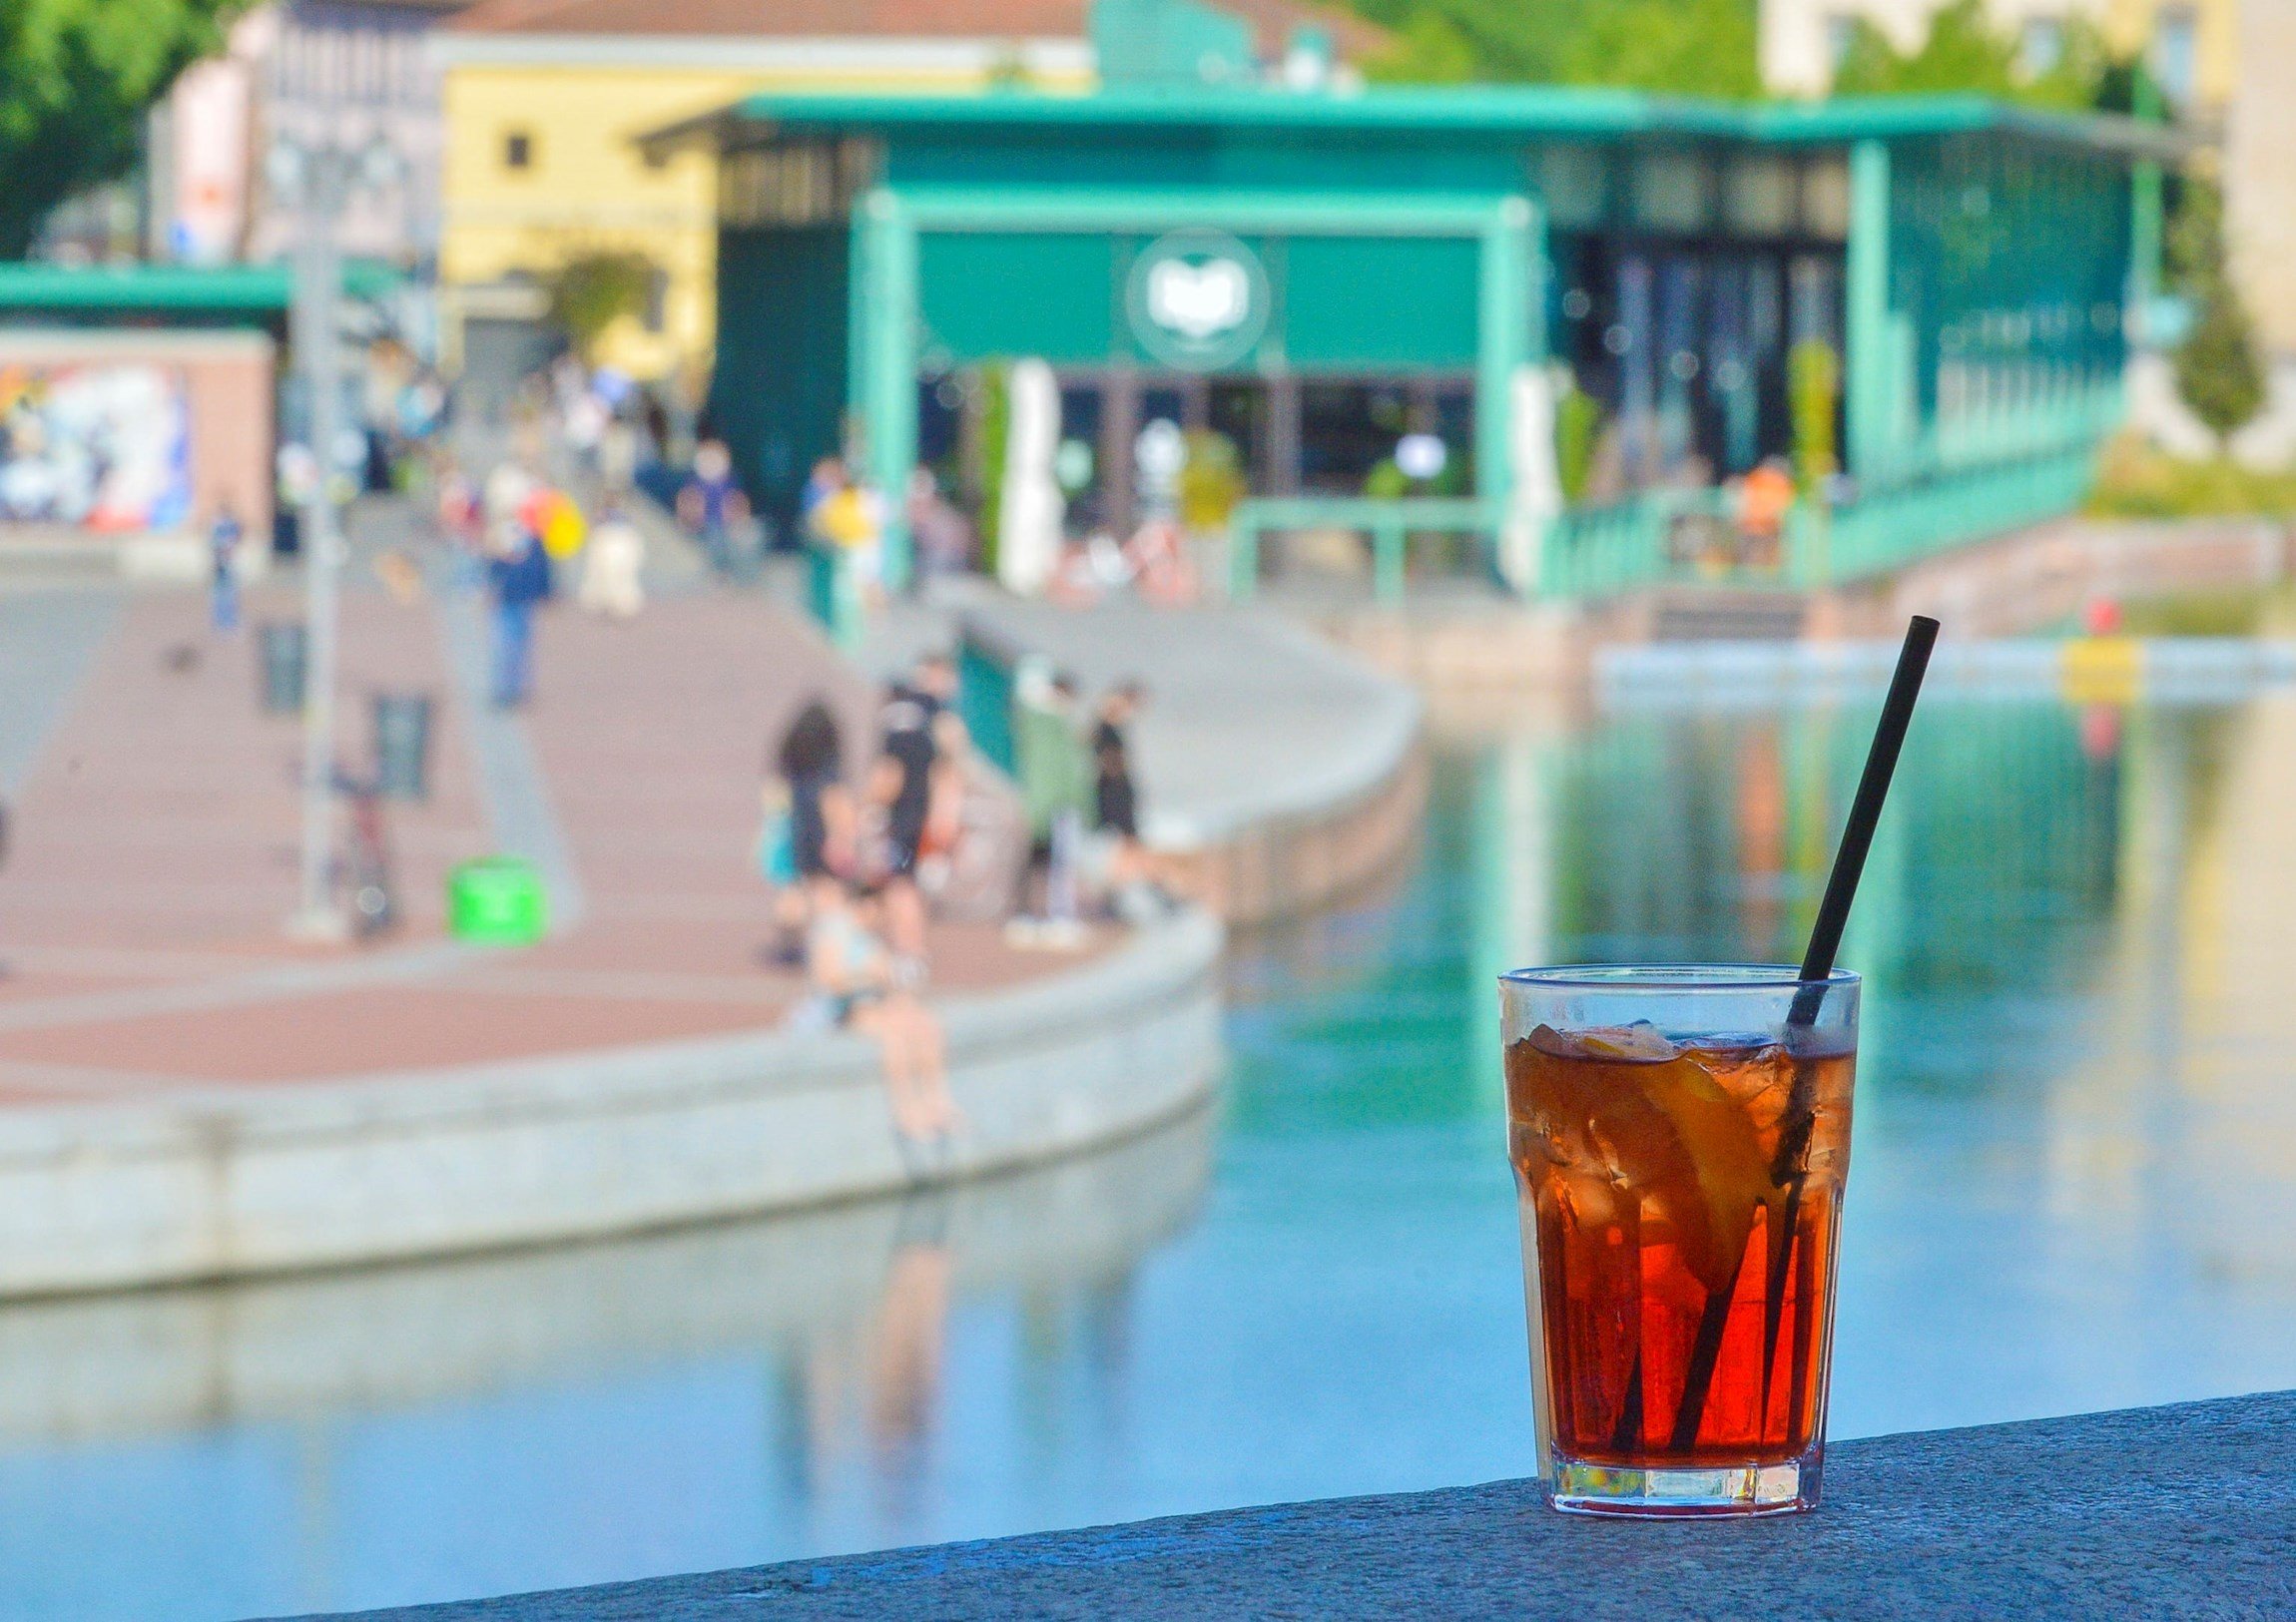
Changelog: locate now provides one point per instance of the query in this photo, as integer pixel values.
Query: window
(657, 311)
(518, 150)
(2041, 46)
(2175, 53)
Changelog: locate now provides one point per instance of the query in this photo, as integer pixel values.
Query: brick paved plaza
(156, 821)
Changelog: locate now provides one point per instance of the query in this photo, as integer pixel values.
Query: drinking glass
(1680, 1134)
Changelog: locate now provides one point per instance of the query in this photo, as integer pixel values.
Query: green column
(883, 362)
(1513, 265)
(1870, 394)
(2143, 246)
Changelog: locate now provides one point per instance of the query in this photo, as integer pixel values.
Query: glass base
(1713, 1489)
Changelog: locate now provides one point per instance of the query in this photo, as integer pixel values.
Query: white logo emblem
(1199, 299)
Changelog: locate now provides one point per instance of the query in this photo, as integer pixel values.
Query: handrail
(1689, 537)
(1390, 521)
(833, 592)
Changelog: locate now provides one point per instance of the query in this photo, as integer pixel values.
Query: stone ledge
(2184, 1511)
(219, 1182)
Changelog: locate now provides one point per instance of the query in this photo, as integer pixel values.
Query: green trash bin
(496, 901)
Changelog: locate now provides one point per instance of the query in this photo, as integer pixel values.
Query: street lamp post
(319, 180)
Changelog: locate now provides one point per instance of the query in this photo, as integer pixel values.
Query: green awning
(133, 289)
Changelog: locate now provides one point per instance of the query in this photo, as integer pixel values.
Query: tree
(1961, 53)
(1684, 47)
(76, 77)
(1964, 54)
(2216, 368)
(2217, 372)
(591, 292)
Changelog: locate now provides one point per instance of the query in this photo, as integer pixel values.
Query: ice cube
(1758, 1079)
(1640, 1041)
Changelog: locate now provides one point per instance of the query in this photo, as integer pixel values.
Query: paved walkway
(155, 817)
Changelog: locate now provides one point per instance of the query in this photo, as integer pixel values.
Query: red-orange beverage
(1680, 1202)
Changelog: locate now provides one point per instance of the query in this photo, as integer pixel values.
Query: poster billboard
(100, 446)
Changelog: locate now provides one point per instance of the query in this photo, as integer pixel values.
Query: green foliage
(995, 407)
(1961, 53)
(1211, 480)
(2192, 245)
(2217, 369)
(1577, 429)
(76, 77)
(591, 292)
(1684, 47)
(1965, 54)
(1428, 49)
(2229, 611)
(1386, 481)
(2136, 480)
(1814, 382)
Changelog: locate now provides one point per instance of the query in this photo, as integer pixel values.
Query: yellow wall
(2216, 67)
(586, 189)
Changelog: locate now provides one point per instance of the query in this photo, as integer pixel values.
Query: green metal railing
(1689, 538)
(984, 693)
(833, 592)
(1905, 523)
(1390, 524)
(1659, 537)
(1648, 539)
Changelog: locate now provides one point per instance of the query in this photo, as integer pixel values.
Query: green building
(1930, 291)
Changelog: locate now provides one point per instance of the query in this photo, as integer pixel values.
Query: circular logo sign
(1197, 299)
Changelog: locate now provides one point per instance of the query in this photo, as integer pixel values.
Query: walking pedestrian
(225, 533)
(519, 578)
(711, 504)
(612, 564)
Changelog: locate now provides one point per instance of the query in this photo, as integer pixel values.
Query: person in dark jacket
(811, 822)
(519, 579)
(902, 785)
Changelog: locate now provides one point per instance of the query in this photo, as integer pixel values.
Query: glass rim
(1691, 978)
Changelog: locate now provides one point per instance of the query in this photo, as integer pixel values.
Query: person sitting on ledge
(856, 988)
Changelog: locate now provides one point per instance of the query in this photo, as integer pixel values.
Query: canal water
(2073, 1187)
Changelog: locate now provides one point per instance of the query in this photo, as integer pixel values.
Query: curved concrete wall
(129, 1364)
(237, 1180)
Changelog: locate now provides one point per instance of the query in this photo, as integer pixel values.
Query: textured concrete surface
(2185, 1511)
(47, 639)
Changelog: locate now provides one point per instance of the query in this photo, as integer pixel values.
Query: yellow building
(542, 99)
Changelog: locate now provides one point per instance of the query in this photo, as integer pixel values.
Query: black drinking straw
(1865, 813)
(1817, 970)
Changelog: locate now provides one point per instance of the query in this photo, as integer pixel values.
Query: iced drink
(1680, 1176)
